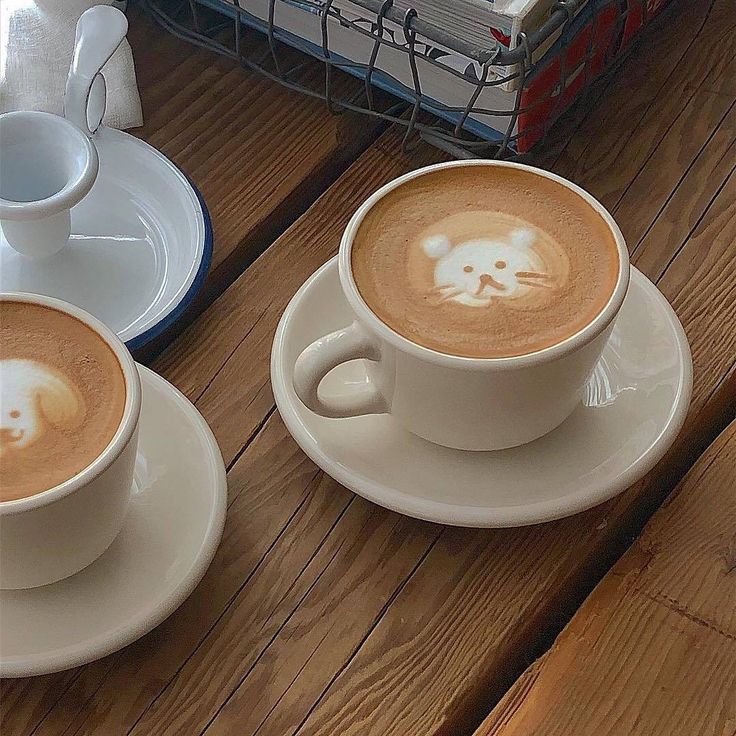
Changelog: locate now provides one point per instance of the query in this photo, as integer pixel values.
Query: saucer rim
(204, 239)
(480, 516)
(168, 320)
(176, 308)
(112, 640)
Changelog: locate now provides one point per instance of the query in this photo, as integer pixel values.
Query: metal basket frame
(195, 23)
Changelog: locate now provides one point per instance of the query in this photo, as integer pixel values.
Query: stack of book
(562, 65)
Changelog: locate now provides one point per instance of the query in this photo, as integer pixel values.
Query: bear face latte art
(62, 395)
(484, 262)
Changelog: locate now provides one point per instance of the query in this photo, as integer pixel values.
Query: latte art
(62, 397)
(484, 261)
(35, 399)
(501, 264)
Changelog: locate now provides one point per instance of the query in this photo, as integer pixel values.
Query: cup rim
(569, 345)
(73, 191)
(128, 422)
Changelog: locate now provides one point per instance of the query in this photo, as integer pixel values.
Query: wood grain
(648, 95)
(652, 651)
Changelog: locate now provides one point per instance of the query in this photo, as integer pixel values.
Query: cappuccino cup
(70, 399)
(482, 293)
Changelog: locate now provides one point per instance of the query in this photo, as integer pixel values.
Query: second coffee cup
(70, 399)
(483, 294)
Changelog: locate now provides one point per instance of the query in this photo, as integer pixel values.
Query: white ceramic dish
(168, 539)
(635, 404)
(140, 246)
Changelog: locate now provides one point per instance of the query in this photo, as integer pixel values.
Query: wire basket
(419, 62)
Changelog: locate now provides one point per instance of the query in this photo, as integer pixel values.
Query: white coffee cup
(458, 402)
(53, 534)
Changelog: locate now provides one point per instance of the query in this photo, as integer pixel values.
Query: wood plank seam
(249, 441)
(522, 687)
(370, 630)
(63, 692)
(682, 177)
(678, 250)
(316, 550)
(214, 376)
(114, 659)
(292, 683)
(693, 163)
(278, 631)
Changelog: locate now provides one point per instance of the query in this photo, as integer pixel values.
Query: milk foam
(477, 271)
(35, 399)
(62, 395)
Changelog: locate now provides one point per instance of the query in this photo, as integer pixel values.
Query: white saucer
(635, 405)
(170, 535)
(140, 248)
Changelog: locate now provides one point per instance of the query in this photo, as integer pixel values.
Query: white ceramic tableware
(633, 406)
(140, 246)
(141, 238)
(170, 534)
(48, 164)
(53, 534)
(458, 402)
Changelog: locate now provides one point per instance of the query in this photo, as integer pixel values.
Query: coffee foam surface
(484, 262)
(62, 395)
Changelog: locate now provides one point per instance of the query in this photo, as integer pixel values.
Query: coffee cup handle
(100, 30)
(326, 353)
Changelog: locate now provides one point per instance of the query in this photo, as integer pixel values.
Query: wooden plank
(653, 649)
(689, 144)
(25, 702)
(680, 216)
(259, 153)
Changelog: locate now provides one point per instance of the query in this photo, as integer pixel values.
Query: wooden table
(324, 614)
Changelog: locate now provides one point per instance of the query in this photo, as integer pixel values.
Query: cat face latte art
(517, 265)
(484, 262)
